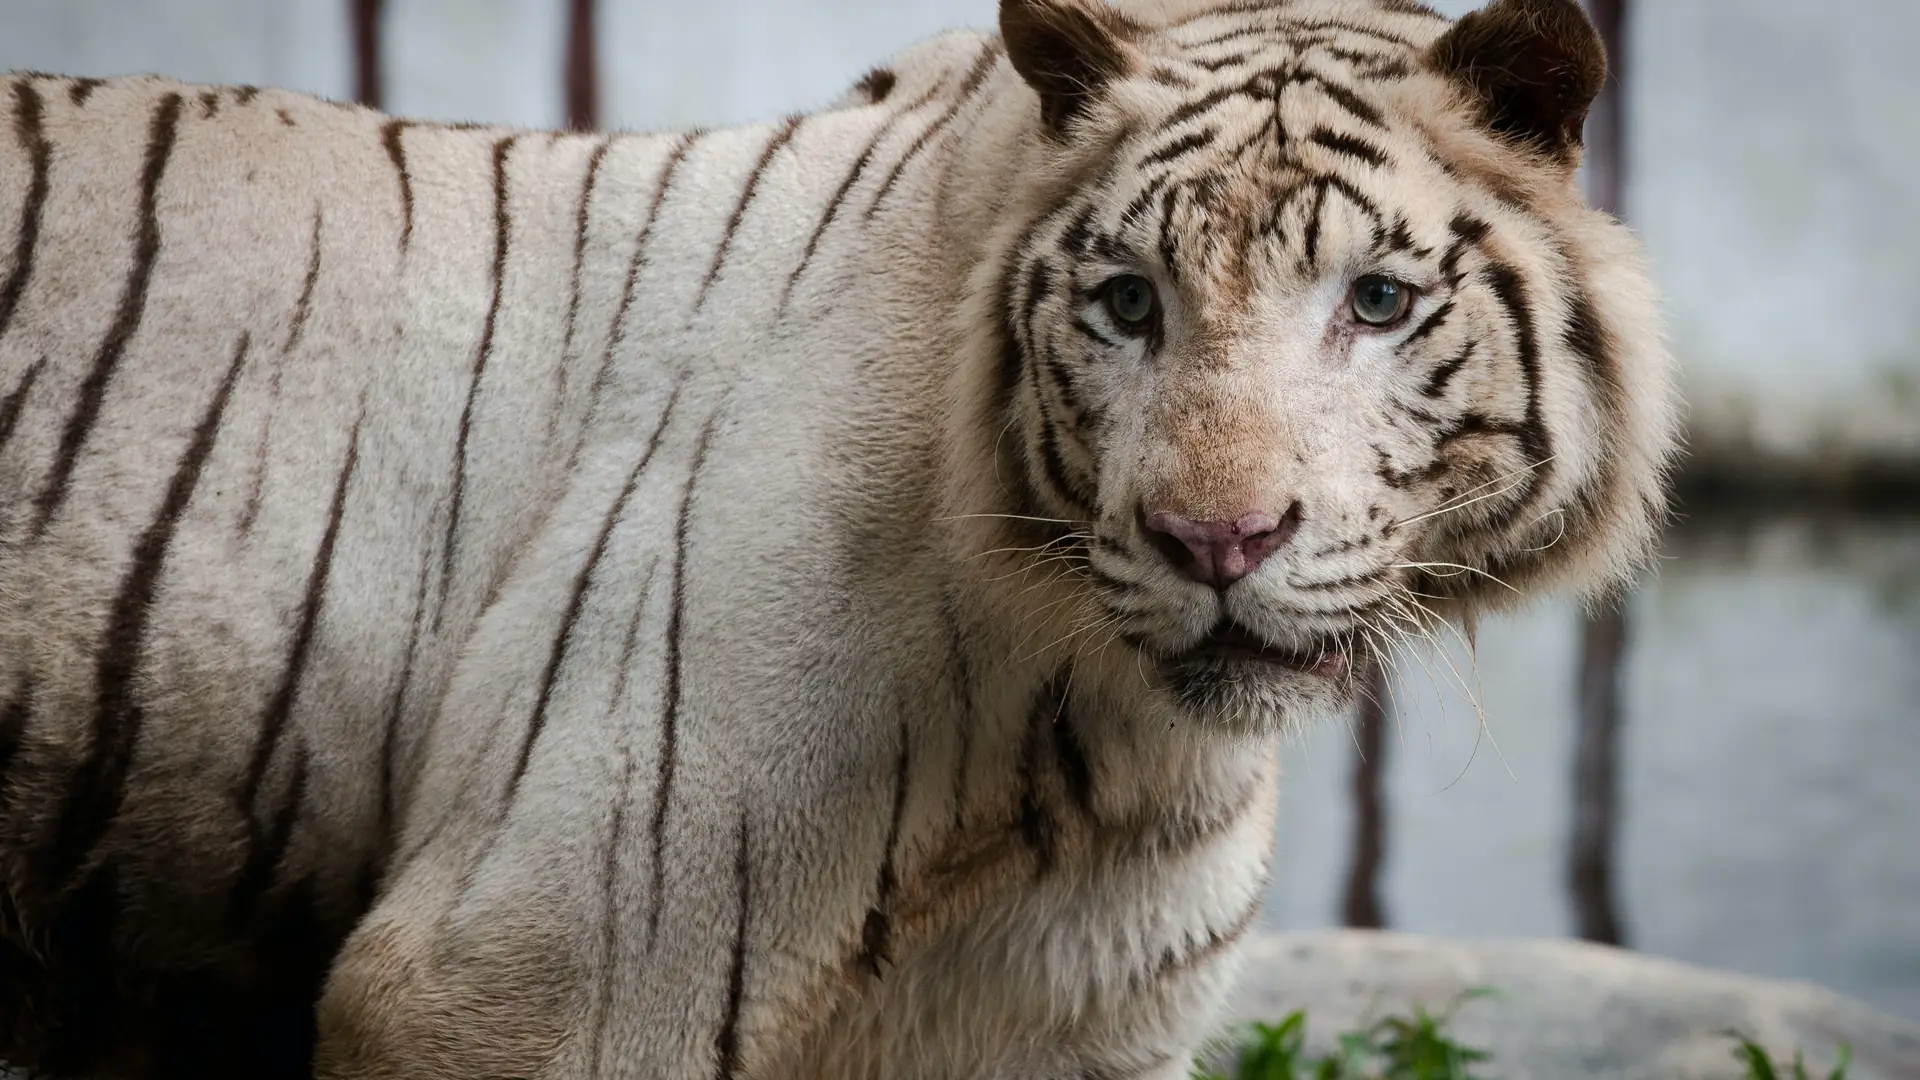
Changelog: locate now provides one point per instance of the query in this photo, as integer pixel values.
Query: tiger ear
(1068, 51)
(1532, 67)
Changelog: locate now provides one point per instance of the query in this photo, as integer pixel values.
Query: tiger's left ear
(1068, 51)
(1533, 67)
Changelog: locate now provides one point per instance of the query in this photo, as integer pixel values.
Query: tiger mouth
(1232, 644)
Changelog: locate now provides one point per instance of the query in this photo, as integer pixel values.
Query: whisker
(1457, 571)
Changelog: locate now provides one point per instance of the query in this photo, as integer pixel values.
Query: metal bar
(583, 78)
(1603, 635)
(1362, 906)
(364, 17)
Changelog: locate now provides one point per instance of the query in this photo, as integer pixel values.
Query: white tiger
(814, 600)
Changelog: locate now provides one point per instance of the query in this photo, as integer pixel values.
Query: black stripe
(286, 694)
(28, 110)
(617, 827)
(780, 138)
(95, 794)
(963, 693)
(17, 399)
(396, 706)
(580, 222)
(209, 104)
(502, 228)
(1182, 146)
(840, 194)
(615, 330)
(13, 727)
(1431, 326)
(1034, 820)
(390, 137)
(304, 306)
(1468, 232)
(133, 304)
(1075, 769)
(989, 55)
(1442, 375)
(245, 94)
(576, 603)
(1585, 336)
(1348, 146)
(1510, 289)
(1312, 242)
(670, 708)
(726, 1043)
(267, 850)
(876, 934)
(80, 90)
(1343, 96)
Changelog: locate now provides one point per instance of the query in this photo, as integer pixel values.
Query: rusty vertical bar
(364, 18)
(1603, 634)
(1362, 906)
(582, 68)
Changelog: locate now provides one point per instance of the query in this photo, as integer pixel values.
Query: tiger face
(1317, 344)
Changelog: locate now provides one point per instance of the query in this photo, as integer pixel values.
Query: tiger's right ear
(1068, 51)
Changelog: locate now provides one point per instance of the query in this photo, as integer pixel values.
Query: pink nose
(1219, 553)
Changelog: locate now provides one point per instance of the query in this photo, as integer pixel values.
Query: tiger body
(485, 603)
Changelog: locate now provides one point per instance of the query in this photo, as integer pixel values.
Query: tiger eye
(1132, 301)
(1379, 300)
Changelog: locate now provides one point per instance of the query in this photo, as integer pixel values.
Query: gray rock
(1566, 1009)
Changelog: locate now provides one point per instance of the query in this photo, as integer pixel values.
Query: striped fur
(486, 603)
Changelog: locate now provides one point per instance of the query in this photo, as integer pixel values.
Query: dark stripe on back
(28, 110)
(726, 1042)
(13, 728)
(304, 306)
(876, 934)
(133, 304)
(617, 827)
(502, 227)
(780, 138)
(279, 709)
(616, 330)
(840, 194)
(576, 603)
(267, 851)
(670, 708)
(390, 726)
(989, 54)
(95, 794)
(580, 222)
(80, 90)
(17, 399)
(390, 137)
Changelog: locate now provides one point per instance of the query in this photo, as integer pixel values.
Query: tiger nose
(1219, 553)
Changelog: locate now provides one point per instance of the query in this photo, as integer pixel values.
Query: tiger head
(1308, 340)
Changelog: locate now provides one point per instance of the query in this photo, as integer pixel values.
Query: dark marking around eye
(1433, 322)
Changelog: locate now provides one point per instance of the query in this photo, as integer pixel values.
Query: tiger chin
(810, 600)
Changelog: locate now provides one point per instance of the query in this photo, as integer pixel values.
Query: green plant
(1415, 1047)
(1760, 1064)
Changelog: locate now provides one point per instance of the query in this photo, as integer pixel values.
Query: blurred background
(1726, 769)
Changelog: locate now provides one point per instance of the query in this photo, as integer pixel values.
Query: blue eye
(1132, 302)
(1381, 301)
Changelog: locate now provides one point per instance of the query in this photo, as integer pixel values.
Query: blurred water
(1770, 767)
